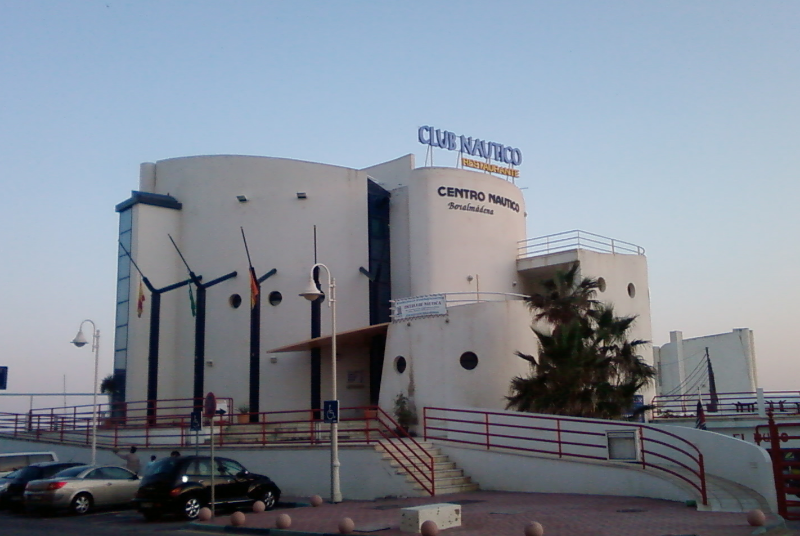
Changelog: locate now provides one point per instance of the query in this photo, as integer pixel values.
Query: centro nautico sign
(445, 139)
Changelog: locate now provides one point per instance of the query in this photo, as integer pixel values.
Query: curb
(206, 527)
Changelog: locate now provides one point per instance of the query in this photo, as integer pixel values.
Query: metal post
(312, 293)
(336, 492)
(79, 341)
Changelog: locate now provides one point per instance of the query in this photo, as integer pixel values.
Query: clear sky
(671, 124)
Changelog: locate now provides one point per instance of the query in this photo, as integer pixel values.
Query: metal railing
(727, 404)
(565, 437)
(576, 239)
(171, 429)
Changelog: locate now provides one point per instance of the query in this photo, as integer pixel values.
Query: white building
(388, 232)
(682, 364)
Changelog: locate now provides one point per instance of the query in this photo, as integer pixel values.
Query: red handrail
(566, 443)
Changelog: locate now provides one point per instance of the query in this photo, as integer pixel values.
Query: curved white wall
(432, 347)
(448, 244)
(280, 234)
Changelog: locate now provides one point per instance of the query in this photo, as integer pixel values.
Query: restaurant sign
(429, 305)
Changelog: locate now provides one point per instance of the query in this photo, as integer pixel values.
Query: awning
(353, 337)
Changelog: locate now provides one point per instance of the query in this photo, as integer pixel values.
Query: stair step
(409, 458)
(445, 482)
(443, 490)
(437, 466)
(446, 473)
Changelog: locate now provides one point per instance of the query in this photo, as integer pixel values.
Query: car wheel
(269, 499)
(81, 504)
(191, 508)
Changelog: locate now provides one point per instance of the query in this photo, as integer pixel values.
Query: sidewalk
(495, 513)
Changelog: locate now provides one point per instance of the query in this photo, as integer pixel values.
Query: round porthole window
(275, 297)
(469, 360)
(601, 284)
(400, 364)
(631, 290)
(235, 301)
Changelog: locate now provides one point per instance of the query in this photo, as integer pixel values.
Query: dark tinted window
(162, 467)
(117, 473)
(39, 458)
(51, 470)
(30, 473)
(199, 467)
(230, 467)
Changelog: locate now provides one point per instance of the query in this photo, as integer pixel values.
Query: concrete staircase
(448, 477)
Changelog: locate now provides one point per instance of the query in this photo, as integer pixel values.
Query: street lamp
(312, 293)
(80, 341)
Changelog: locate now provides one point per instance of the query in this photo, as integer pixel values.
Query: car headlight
(4, 486)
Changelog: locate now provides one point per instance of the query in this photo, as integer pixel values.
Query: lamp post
(80, 341)
(312, 293)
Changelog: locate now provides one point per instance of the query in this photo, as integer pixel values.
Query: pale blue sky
(672, 125)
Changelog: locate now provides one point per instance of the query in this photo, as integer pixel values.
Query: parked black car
(182, 485)
(13, 495)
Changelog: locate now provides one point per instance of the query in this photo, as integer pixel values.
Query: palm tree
(587, 366)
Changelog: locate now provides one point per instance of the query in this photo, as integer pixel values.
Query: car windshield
(13, 474)
(167, 465)
(72, 471)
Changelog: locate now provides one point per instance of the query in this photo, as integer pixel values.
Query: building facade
(194, 317)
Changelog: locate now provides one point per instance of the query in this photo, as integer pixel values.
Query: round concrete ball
(283, 521)
(534, 528)
(429, 528)
(259, 507)
(346, 525)
(316, 500)
(238, 519)
(756, 518)
(204, 514)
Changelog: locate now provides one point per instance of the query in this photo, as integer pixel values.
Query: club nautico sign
(489, 150)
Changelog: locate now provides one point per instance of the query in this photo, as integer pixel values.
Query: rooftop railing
(569, 240)
(741, 404)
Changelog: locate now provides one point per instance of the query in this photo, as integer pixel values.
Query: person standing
(132, 462)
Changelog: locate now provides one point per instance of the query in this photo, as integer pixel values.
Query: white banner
(430, 305)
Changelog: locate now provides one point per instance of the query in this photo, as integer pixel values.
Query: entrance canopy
(353, 337)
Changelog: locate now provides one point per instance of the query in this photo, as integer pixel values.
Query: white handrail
(576, 239)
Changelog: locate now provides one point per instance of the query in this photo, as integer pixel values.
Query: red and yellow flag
(140, 301)
(253, 288)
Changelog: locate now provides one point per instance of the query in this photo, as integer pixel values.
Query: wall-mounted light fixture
(242, 198)
(301, 195)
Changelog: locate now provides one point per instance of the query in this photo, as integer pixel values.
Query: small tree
(586, 366)
(403, 411)
(108, 386)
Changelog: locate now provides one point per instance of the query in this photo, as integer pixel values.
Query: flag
(253, 288)
(191, 301)
(140, 301)
(700, 419)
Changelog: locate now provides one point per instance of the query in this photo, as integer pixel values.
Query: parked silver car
(79, 489)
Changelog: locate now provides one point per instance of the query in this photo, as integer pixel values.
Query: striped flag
(140, 301)
(191, 301)
(700, 419)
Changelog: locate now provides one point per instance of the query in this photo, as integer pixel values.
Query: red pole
(486, 428)
(777, 464)
(703, 480)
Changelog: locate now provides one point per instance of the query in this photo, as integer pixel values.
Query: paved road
(116, 522)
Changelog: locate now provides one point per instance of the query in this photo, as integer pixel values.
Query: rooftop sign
(489, 150)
